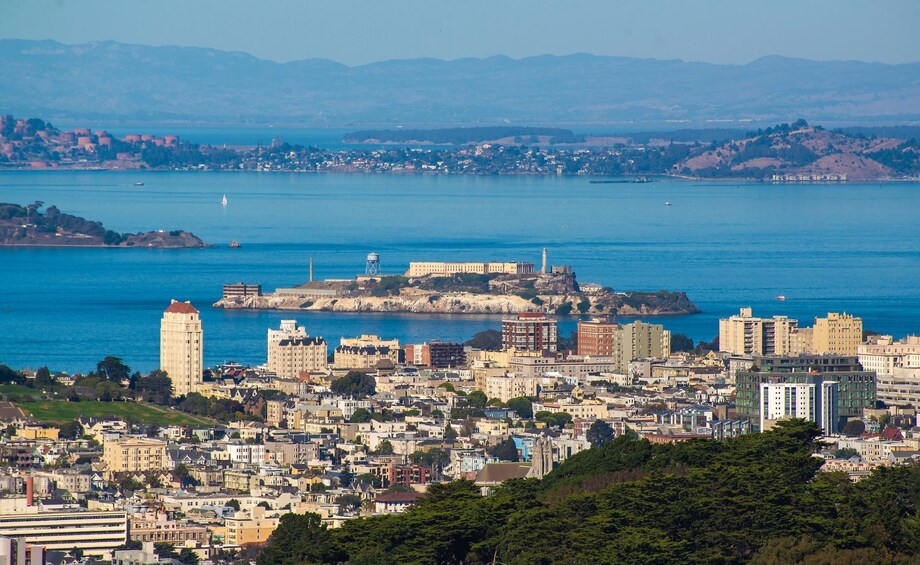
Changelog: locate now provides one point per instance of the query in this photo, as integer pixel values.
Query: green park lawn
(20, 390)
(61, 411)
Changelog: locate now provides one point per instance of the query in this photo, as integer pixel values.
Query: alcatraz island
(459, 288)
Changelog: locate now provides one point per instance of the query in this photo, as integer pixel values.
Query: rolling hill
(111, 82)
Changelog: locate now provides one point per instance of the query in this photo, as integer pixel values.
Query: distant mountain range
(112, 82)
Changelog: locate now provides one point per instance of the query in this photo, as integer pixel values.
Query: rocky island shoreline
(28, 226)
(554, 294)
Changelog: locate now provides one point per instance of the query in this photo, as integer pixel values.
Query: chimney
(30, 490)
(311, 269)
(543, 270)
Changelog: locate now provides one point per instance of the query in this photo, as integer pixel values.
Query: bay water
(848, 247)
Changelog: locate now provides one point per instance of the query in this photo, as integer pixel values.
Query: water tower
(373, 264)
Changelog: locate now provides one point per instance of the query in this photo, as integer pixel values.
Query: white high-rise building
(783, 401)
(182, 347)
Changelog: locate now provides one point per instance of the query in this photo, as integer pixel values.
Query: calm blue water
(827, 248)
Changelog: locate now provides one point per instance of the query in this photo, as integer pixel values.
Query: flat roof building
(530, 331)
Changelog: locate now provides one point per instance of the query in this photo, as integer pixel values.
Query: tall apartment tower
(182, 347)
(529, 332)
(744, 334)
(639, 340)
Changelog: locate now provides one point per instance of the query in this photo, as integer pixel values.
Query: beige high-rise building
(134, 454)
(744, 334)
(838, 333)
(291, 352)
(182, 347)
(639, 340)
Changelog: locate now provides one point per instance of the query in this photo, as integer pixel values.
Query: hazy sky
(356, 32)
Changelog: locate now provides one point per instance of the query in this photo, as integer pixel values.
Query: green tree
(43, 377)
(477, 399)
(188, 556)
(113, 369)
(845, 453)
(522, 405)
(505, 450)
(155, 387)
(369, 478)
(165, 550)
(348, 502)
(488, 340)
(680, 342)
(301, 539)
(599, 434)
(234, 503)
(354, 383)
(360, 415)
(854, 428)
(384, 448)
(450, 433)
(70, 430)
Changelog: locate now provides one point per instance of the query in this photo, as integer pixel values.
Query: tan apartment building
(638, 340)
(365, 352)
(743, 334)
(134, 454)
(249, 527)
(157, 527)
(588, 410)
(291, 352)
(507, 387)
(840, 334)
(438, 268)
(182, 347)
(623, 343)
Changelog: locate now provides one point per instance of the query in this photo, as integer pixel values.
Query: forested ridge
(758, 498)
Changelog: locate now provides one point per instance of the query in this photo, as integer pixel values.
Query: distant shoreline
(670, 177)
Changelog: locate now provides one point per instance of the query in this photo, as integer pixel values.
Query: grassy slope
(60, 411)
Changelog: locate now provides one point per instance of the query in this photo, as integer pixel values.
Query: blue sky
(357, 32)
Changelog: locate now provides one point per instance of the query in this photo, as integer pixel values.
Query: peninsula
(28, 226)
(461, 288)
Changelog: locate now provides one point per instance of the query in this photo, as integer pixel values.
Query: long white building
(96, 533)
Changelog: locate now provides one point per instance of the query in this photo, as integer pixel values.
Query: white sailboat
(224, 200)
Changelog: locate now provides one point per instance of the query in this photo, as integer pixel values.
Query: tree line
(757, 498)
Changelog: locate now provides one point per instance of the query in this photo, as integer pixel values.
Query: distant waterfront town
(206, 462)
(786, 153)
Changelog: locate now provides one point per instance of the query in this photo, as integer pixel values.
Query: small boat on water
(781, 298)
(139, 183)
(667, 203)
(234, 244)
(224, 200)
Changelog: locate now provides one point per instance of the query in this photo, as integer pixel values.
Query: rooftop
(177, 307)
